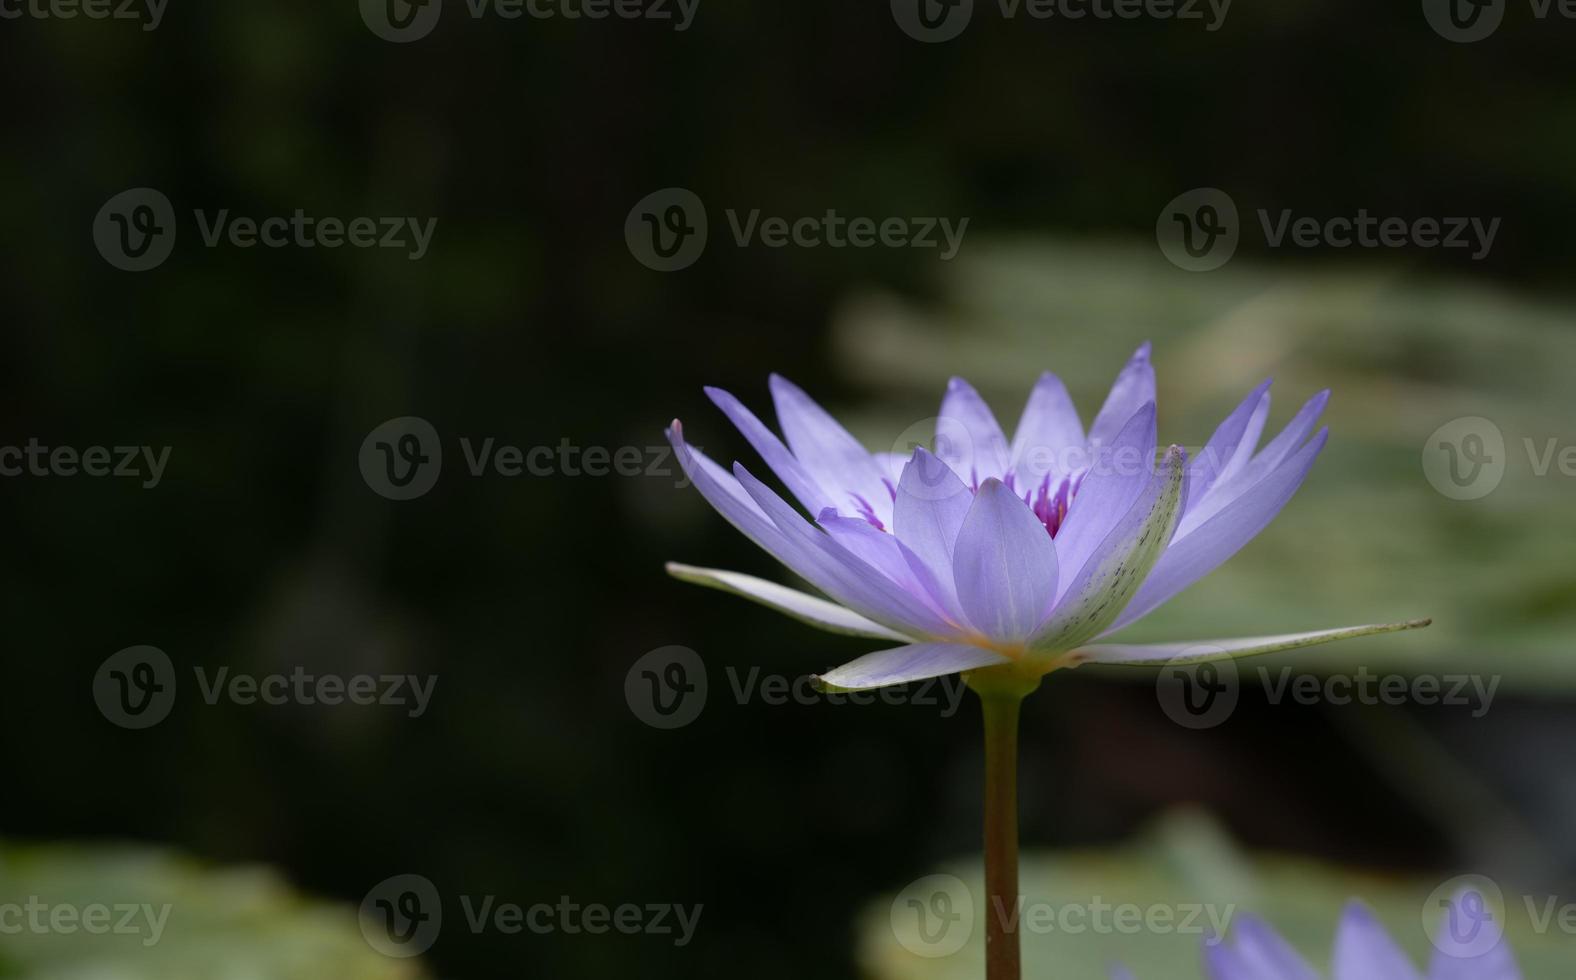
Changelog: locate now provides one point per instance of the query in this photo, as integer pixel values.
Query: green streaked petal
(1199, 651)
(819, 613)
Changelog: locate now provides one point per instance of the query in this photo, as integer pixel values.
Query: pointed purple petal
(1134, 387)
(1223, 962)
(968, 438)
(1456, 958)
(916, 662)
(843, 468)
(1229, 449)
(928, 514)
(1004, 565)
(843, 575)
(1114, 573)
(1118, 472)
(1199, 552)
(795, 477)
(1265, 954)
(1364, 951)
(1048, 434)
(885, 553)
(1229, 488)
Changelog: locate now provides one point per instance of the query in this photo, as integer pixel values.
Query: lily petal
(1196, 554)
(915, 662)
(928, 514)
(1118, 473)
(806, 608)
(1229, 449)
(843, 575)
(889, 555)
(1047, 434)
(1004, 565)
(1134, 388)
(1199, 651)
(968, 437)
(1266, 955)
(1230, 488)
(1109, 579)
(842, 467)
(1364, 951)
(795, 477)
(854, 585)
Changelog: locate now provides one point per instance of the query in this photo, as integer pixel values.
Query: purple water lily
(990, 553)
(1003, 560)
(1363, 951)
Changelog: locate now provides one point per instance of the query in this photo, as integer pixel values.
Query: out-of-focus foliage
(1183, 864)
(158, 916)
(1367, 539)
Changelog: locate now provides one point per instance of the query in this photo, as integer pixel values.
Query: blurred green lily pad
(1151, 906)
(76, 912)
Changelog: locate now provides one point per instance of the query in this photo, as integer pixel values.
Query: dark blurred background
(530, 321)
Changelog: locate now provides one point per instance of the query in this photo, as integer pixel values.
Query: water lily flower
(990, 553)
(1004, 559)
(1363, 951)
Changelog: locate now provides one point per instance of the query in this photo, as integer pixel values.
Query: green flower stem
(1000, 698)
